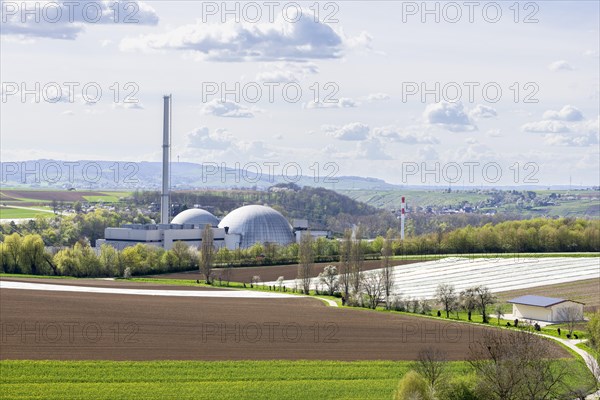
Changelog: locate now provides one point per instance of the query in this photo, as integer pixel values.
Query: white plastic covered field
(498, 274)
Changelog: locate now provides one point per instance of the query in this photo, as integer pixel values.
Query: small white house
(547, 309)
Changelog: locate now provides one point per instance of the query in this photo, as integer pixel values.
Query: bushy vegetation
(66, 230)
(413, 386)
(22, 247)
(593, 327)
(536, 235)
(26, 255)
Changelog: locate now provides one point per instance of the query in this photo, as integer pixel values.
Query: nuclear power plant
(240, 229)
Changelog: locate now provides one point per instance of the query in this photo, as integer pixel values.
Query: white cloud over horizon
(370, 131)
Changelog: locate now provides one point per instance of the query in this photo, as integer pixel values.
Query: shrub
(460, 390)
(127, 273)
(397, 304)
(593, 328)
(413, 386)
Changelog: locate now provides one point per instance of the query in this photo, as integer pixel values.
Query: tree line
(28, 253)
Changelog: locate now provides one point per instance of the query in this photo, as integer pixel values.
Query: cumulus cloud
(428, 152)
(372, 149)
(480, 111)
(128, 106)
(582, 140)
(285, 72)
(450, 116)
(494, 133)
(546, 126)
(353, 131)
(560, 65)
(392, 134)
(342, 102)
(219, 144)
(203, 139)
(567, 119)
(378, 97)
(60, 21)
(589, 126)
(281, 40)
(363, 40)
(566, 128)
(567, 113)
(226, 109)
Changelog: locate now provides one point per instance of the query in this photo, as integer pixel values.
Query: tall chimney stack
(402, 211)
(164, 196)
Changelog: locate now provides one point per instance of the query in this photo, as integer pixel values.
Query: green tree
(109, 261)
(32, 258)
(413, 386)
(12, 252)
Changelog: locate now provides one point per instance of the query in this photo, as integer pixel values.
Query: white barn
(547, 309)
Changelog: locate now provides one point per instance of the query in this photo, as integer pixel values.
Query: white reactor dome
(196, 216)
(258, 224)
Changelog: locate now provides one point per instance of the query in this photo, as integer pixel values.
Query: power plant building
(240, 229)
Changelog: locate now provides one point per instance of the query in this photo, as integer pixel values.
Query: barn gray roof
(539, 301)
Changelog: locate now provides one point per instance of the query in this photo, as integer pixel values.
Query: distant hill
(522, 203)
(110, 175)
(323, 207)
(105, 175)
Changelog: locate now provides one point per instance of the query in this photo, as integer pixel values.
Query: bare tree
(373, 284)
(388, 273)
(498, 312)
(468, 301)
(207, 253)
(345, 260)
(515, 365)
(446, 295)
(54, 205)
(570, 316)
(307, 258)
(484, 298)
(432, 365)
(356, 260)
(227, 272)
(280, 282)
(329, 277)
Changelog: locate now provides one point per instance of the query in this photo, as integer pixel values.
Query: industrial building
(240, 229)
(546, 309)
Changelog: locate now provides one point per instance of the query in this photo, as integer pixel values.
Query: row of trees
(66, 230)
(351, 250)
(537, 235)
(27, 255)
(476, 297)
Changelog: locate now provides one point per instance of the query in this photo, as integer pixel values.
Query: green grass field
(9, 212)
(103, 199)
(218, 379)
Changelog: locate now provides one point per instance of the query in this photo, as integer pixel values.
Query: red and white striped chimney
(403, 211)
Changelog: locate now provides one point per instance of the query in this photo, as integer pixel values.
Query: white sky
(372, 53)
